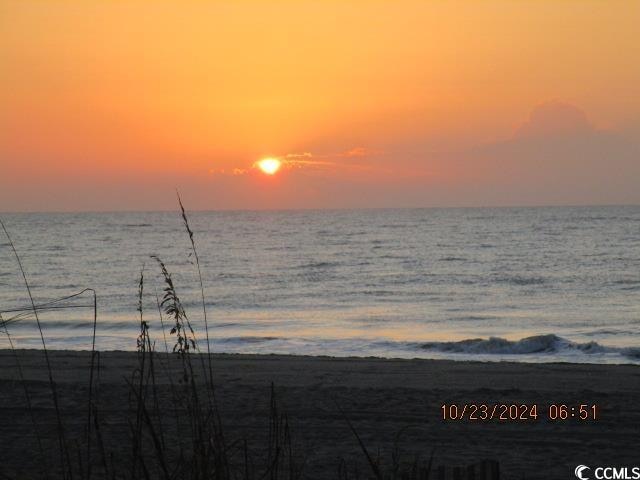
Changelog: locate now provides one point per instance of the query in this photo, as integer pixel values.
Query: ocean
(518, 284)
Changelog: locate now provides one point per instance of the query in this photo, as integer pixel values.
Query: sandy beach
(389, 402)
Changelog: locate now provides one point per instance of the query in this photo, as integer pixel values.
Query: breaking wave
(548, 347)
(537, 344)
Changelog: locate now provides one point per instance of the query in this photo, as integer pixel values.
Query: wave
(474, 317)
(521, 280)
(29, 323)
(548, 346)
(537, 344)
(627, 281)
(628, 285)
(246, 339)
(453, 259)
(377, 293)
(632, 352)
(318, 265)
(544, 348)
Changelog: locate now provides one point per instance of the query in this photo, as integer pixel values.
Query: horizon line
(319, 209)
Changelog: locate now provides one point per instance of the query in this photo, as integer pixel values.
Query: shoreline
(527, 359)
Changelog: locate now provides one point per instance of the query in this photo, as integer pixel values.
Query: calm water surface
(533, 284)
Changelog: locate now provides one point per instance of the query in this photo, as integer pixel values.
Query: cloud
(557, 156)
(327, 160)
(359, 152)
(552, 119)
(299, 155)
(234, 172)
(354, 152)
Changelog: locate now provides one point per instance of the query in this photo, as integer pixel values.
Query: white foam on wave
(534, 345)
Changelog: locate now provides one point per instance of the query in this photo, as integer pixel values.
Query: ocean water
(519, 284)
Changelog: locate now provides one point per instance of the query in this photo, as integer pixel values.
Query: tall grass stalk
(211, 389)
(92, 368)
(164, 332)
(143, 347)
(65, 462)
(202, 297)
(373, 464)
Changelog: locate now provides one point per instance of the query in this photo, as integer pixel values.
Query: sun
(269, 165)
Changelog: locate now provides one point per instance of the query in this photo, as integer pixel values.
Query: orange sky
(111, 105)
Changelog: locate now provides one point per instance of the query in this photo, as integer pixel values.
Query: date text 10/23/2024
(518, 412)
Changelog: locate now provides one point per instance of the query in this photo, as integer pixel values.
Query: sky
(113, 105)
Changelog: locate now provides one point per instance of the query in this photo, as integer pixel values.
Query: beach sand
(382, 398)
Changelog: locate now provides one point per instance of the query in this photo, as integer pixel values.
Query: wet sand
(388, 402)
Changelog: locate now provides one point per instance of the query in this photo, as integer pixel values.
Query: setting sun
(269, 165)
